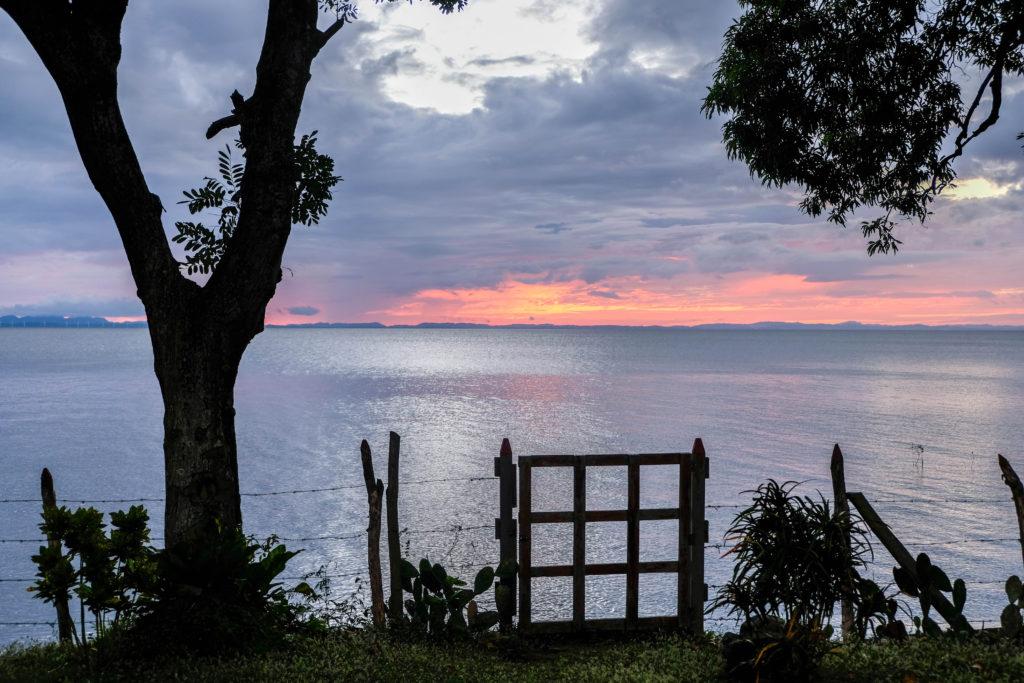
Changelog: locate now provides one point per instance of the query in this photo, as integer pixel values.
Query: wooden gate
(688, 564)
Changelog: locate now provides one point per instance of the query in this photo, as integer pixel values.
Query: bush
(795, 559)
(219, 597)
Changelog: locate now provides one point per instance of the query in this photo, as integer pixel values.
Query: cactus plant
(1010, 619)
(438, 599)
(930, 576)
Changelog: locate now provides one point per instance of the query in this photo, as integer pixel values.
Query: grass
(369, 656)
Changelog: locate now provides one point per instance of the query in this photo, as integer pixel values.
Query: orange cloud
(741, 298)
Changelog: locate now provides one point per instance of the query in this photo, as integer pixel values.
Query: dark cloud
(519, 60)
(604, 294)
(303, 310)
(552, 228)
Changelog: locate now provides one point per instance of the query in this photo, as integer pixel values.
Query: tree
(858, 101)
(198, 333)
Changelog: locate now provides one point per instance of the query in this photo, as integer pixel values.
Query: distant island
(79, 322)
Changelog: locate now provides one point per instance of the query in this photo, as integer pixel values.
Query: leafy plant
(792, 557)
(204, 247)
(795, 559)
(931, 577)
(1010, 619)
(113, 571)
(438, 599)
(219, 597)
(222, 596)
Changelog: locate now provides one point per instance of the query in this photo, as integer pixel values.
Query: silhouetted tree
(199, 333)
(858, 100)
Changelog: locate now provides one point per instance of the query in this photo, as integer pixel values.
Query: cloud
(576, 154)
(303, 310)
(552, 228)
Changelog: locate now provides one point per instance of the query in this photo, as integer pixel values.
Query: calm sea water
(920, 416)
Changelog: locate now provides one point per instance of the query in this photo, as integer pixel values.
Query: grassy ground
(367, 656)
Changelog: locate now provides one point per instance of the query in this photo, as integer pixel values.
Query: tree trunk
(197, 366)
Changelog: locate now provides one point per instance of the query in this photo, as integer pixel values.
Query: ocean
(919, 414)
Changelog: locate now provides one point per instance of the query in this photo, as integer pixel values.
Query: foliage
(219, 597)
(346, 9)
(792, 557)
(204, 247)
(854, 101)
(213, 598)
(1010, 618)
(795, 560)
(438, 600)
(930, 577)
(113, 571)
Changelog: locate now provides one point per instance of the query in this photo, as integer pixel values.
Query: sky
(524, 161)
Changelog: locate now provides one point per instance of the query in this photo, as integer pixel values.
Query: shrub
(795, 559)
(220, 597)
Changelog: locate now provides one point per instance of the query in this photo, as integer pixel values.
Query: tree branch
(330, 31)
(231, 120)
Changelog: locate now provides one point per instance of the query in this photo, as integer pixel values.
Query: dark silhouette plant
(113, 570)
(930, 577)
(795, 559)
(438, 599)
(221, 597)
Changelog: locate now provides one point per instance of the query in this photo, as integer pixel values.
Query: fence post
(374, 493)
(632, 541)
(505, 525)
(842, 508)
(525, 542)
(698, 536)
(65, 627)
(900, 554)
(394, 543)
(1017, 490)
(579, 542)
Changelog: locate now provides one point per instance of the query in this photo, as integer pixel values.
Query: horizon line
(59, 321)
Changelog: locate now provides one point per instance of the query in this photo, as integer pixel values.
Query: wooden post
(900, 554)
(394, 543)
(683, 545)
(65, 627)
(1011, 479)
(525, 550)
(842, 509)
(697, 592)
(579, 542)
(632, 542)
(505, 530)
(374, 493)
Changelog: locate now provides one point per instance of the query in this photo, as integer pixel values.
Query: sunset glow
(514, 163)
(740, 298)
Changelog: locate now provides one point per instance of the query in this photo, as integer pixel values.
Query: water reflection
(766, 403)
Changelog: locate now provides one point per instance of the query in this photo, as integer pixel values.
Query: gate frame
(691, 591)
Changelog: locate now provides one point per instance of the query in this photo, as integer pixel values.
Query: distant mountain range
(59, 321)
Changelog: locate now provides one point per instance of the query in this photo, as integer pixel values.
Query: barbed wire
(249, 494)
(979, 501)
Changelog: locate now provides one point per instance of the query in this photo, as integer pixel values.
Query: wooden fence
(692, 534)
